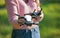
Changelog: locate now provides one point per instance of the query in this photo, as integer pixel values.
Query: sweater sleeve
(12, 10)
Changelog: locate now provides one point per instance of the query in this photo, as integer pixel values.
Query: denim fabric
(21, 34)
(33, 33)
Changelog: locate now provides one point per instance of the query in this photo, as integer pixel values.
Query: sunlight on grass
(2, 2)
(3, 11)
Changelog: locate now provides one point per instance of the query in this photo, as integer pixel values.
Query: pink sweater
(19, 7)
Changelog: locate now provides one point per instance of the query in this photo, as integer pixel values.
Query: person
(22, 7)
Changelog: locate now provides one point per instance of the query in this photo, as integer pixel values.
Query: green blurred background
(49, 27)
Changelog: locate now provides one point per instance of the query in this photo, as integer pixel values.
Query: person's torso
(31, 6)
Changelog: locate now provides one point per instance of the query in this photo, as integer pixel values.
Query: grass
(2, 2)
(3, 16)
(49, 27)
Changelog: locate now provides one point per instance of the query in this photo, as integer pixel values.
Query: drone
(26, 18)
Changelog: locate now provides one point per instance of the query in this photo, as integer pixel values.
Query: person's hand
(20, 21)
(36, 19)
(39, 18)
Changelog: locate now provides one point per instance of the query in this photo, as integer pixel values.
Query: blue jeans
(33, 33)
